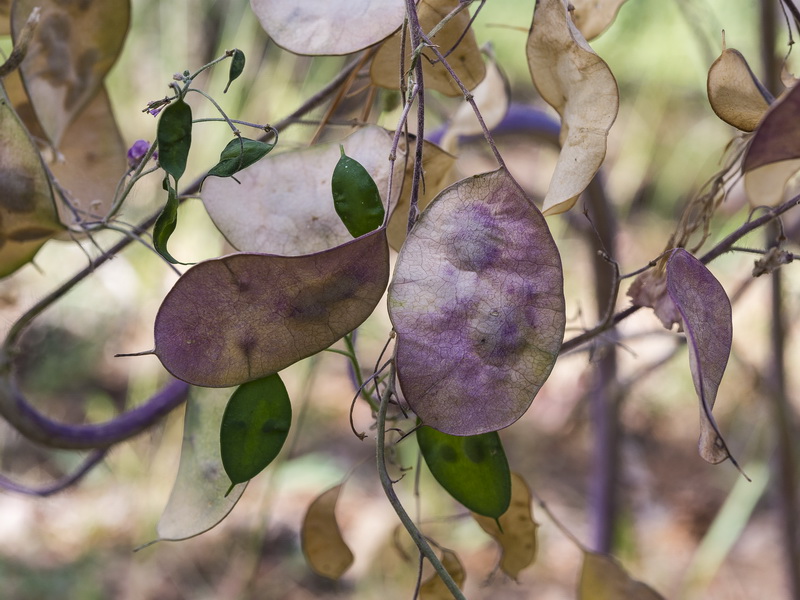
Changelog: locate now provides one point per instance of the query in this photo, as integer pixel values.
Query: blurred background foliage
(689, 529)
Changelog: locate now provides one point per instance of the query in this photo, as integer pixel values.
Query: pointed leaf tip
(254, 427)
(705, 310)
(355, 196)
(515, 530)
(473, 469)
(477, 302)
(199, 500)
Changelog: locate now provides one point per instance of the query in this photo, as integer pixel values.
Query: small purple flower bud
(155, 111)
(137, 151)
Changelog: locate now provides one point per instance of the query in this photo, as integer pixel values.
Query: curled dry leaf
(735, 93)
(244, 316)
(283, 205)
(434, 588)
(517, 532)
(465, 60)
(706, 314)
(198, 502)
(603, 578)
(773, 156)
(492, 97)
(477, 302)
(28, 216)
(579, 85)
(73, 48)
(593, 17)
(650, 289)
(329, 27)
(437, 166)
(323, 546)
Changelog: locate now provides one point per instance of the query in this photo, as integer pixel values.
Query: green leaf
(254, 427)
(237, 66)
(239, 154)
(175, 137)
(473, 469)
(166, 223)
(356, 197)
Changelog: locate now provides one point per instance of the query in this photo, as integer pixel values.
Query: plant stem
(388, 488)
(604, 396)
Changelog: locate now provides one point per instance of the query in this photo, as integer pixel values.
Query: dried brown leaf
(284, 203)
(73, 48)
(735, 93)
(518, 535)
(437, 167)
(5, 17)
(603, 578)
(434, 587)
(579, 85)
(323, 545)
(28, 215)
(329, 27)
(466, 59)
(593, 17)
(492, 96)
(92, 161)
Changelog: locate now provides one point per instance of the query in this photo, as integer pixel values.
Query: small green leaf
(166, 223)
(356, 197)
(237, 66)
(175, 137)
(239, 154)
(254, 427)
(473, 469)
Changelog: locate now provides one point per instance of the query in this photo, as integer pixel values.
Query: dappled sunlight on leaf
(73, 48)
(466, 59)
(735, 93)
(283, 204)
(773, 156)
(593, 17)
(434, 588)
(579, 85)
(28, 215)
(198, 502)
(603, 578)
(706, 313)
(478, 307)
(517, 538)
(329, 27)
(241, 317)
(323, 545)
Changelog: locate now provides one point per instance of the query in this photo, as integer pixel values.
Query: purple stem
(91, 461)
(38, 428)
